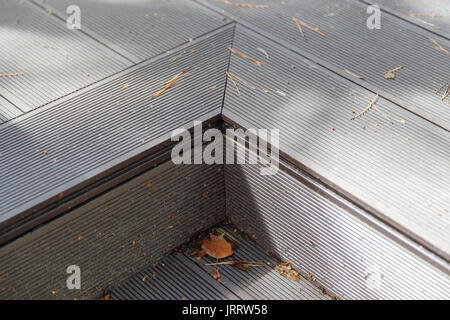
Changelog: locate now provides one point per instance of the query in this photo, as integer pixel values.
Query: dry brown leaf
(217, 247)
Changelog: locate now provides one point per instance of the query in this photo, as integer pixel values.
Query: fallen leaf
(217, 247)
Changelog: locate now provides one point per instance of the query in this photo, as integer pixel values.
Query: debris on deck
(446, 92)
(171, 82)
(316, 30)
(390, 74)
(352, 74)
(214, 246)
(258, 63)
(437, 46)
(10, 75)
(297, 22)
(243, 5)
(240, 264)
(284, 269)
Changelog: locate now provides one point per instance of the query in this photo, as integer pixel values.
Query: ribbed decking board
(142, 29)
(173, 278)
(400, 172)
(322, 238)
(349, 45)
(115, 235)
(183, 276)
(54, 60)
(8, 110)
(47, 152)
(432, 14)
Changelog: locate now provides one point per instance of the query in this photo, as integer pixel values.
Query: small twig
(437, 91)
(297, 22)
(311, 28)
(178, 75)
(245, 83)
(439, 47)
(243, 5)
(219, 263)
(384, 115)
(395, 69)
(172, 82)
(259, 63)
(175, 78)
(354, 75)
(164, 89)
(425, 22)
(234, 82)
(10, 75)
(446, 93)
(366, 109)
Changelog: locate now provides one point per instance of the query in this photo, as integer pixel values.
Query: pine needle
(395, 69)
(311, 28)
(171, 82)
(259, 63)
(352, 74)
(297, 22)
(245, 83)
(234, 82)
(175, 78)
(243, 5)
(10, 75)
(446, 93)
(438, 46)
(384, 115)
(164, 89)
(430, 15)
